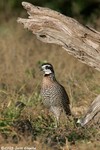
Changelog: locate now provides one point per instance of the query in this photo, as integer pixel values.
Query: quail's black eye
(48, 67)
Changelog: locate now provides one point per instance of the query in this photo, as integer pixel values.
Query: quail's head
(47, 68)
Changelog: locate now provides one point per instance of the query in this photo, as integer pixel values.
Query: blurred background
(86, 11)
(21, 54)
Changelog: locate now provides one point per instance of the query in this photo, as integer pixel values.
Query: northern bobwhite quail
(54, 95)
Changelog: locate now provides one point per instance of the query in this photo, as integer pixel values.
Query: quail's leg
(56, 121)
(56, 111)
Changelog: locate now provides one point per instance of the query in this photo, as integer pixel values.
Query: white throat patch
(48, 71)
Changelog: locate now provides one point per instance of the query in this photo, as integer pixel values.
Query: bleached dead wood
(93, 113)
(52, 27)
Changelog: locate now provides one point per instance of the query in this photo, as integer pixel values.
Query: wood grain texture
(52, 27)
(93, 113)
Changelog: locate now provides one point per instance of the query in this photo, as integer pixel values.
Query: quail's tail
(67, 110)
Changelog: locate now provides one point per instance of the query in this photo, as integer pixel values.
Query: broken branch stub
(93, 113)
(52, 27)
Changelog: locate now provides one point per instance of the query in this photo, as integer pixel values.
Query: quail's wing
(65, 101)
(64, 94)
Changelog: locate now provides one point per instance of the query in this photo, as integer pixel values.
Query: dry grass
(20, 79)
